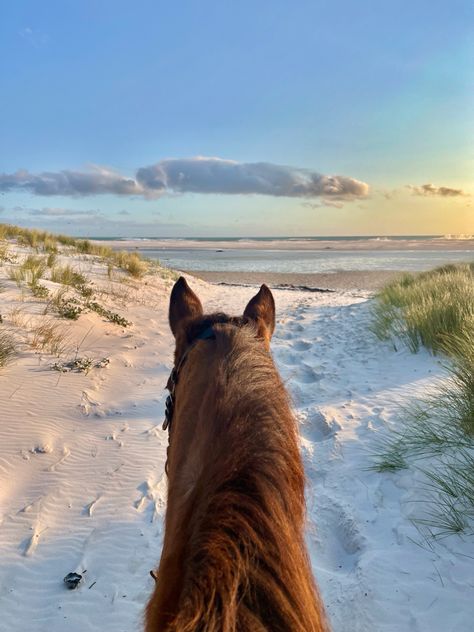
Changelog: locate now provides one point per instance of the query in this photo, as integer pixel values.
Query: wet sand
(368, 280)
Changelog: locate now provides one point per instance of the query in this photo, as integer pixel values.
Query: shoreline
(435, 244)
(366, 280)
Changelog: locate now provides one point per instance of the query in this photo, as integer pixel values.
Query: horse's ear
(183, 304)
(261, 309)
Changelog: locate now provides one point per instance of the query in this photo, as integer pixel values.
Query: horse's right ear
(184, 304)
(261, 309)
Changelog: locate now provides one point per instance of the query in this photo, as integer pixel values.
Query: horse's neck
(235, 507)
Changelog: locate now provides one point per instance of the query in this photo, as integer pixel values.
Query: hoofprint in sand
(82, 465)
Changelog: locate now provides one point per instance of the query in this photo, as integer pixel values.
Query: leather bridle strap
(207, 334)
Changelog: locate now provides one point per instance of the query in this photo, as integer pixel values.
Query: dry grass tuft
(67, 276)
(7, 347)
(49, 337)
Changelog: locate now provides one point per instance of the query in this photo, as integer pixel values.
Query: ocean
(306, 255)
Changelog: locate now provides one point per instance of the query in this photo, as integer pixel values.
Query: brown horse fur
(234, 558)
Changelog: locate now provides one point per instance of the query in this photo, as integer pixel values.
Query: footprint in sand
(285, 335)
(301, 345)
(316, 426)
(296, 326)
(307, 375)
(286, 357)
(153, 498)
(339, 542)
(89, 406)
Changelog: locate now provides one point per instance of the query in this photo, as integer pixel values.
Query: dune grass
(17, 316)
(7, 347)
(130, 262)
(436, 310)
(51, 259)
(30, 271)
(49, 337)
(66, 275)
(422, 309)
(5, 255)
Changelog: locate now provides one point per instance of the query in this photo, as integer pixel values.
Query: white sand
(83, 485)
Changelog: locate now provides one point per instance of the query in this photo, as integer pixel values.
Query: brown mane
(234, 558)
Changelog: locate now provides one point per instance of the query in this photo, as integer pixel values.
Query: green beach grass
(435, 310)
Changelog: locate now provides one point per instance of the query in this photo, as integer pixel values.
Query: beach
(82, 452)
(295, 243)
(338, 263)
(364, 280)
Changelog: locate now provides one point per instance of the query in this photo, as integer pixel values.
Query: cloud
(33, 36)
(64, 213)
(388, 194)
(215, 175)
(323, 203)
(191, 175)
(431, 189)
(70, 183)
(90, 223)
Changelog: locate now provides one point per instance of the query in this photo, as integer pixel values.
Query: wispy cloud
(191, 175)
(89, 222)
(431, 189)
(324, 202)
(33, 36)
(57, 212)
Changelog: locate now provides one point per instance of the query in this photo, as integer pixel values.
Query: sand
(370, 280)
(82, 458)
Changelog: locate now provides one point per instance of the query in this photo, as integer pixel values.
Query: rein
(207, 334)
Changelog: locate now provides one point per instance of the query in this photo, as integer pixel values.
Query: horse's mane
(245, 563)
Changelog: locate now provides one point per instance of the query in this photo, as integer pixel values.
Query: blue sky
(285, 94)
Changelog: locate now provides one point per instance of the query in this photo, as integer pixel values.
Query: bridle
(207, 334)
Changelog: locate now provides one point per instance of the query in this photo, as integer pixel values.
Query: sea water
(262, 256)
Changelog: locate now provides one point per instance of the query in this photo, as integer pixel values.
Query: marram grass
(7, 347)
(47, 242)
(436, 310)
(423, 309)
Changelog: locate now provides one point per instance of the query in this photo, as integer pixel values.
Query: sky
(237, 118)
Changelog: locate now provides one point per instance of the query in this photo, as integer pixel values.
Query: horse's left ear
(184, 304)
(261, 309)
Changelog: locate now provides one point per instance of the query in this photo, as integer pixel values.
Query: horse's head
(188, 321)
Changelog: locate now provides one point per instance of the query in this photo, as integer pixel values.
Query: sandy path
(353, 280)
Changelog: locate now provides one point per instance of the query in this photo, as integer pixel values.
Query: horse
(234, 557)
